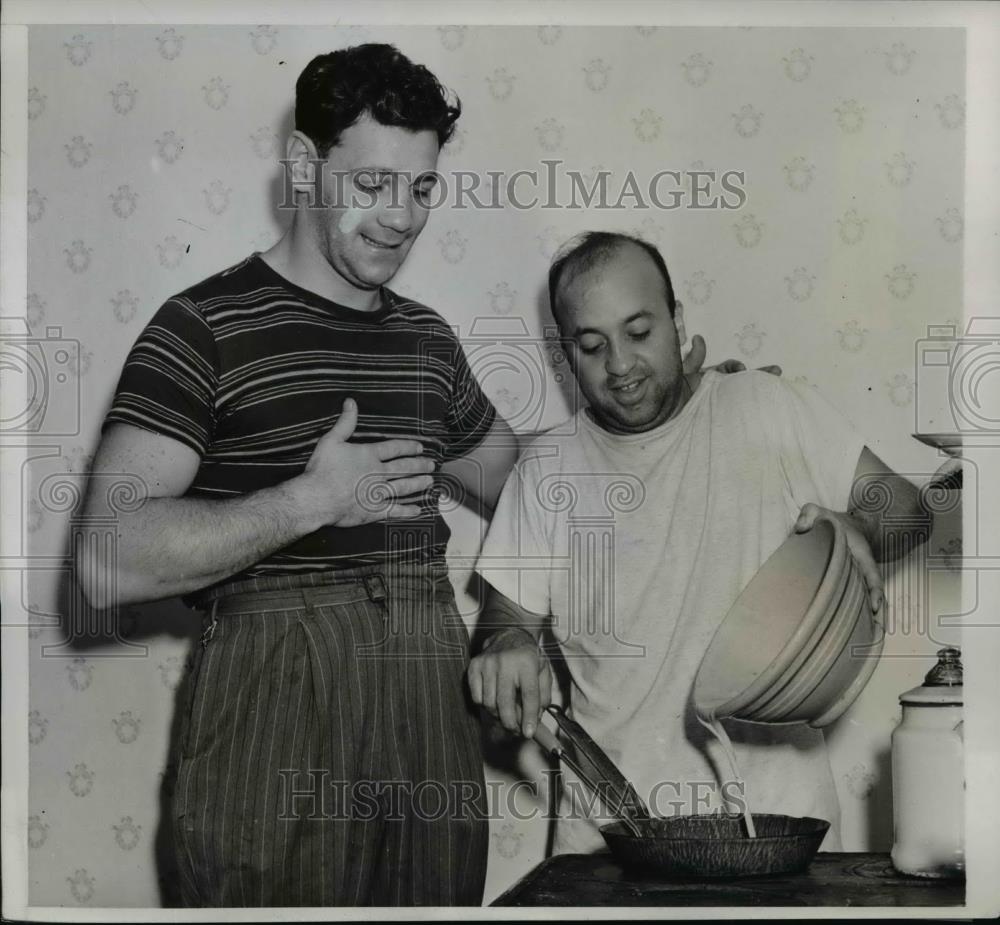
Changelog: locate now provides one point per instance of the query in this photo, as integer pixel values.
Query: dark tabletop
(832, 880)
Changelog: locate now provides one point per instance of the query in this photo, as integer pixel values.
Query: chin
(373, 277)
(616, 424)
(638, 422)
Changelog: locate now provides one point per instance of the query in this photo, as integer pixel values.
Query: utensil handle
(547, 739)
(601, 769)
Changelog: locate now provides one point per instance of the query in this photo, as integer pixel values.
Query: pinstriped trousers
(328, 754)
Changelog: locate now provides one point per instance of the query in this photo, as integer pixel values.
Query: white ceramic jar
(928, 775)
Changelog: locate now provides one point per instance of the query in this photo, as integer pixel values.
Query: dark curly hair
(337, 88)
(591, 249)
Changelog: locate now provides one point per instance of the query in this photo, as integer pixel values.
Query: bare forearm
(502, 617)
(173, 546)
(482, 473)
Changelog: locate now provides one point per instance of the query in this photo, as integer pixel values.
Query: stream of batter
(714, 726)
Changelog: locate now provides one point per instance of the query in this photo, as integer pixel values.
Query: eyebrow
(643, 313)
(383, 171)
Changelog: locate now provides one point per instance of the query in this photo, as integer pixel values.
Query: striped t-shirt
(250, 370)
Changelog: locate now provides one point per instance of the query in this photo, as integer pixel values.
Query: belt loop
(375, 586)
(209, 632)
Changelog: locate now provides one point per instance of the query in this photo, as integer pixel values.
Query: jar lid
(943, 684)
(948, 670)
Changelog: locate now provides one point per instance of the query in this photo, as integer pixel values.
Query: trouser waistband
(285, 592)
(391, 572)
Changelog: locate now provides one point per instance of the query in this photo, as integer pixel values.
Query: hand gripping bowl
(699, 847)
(800, 642)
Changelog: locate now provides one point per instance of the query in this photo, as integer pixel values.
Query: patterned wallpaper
(153, 164)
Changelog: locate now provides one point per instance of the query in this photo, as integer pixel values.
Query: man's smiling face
(624, 345)
(377, 180)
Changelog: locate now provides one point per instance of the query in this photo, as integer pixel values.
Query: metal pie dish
(714, 846)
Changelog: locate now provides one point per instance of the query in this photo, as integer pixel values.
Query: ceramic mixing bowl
(801, 640)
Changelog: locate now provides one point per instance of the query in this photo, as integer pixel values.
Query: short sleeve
(820, 448)
(470, 413)
(517, 555)
(169, 381)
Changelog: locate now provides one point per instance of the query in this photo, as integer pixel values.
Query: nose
(398, 212)
(619, 360)
(399, 218)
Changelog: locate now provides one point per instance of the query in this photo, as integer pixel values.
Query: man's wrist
(526, 636)
(301, 502)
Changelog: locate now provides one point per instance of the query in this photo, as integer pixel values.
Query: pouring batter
(714, 725)
(633, 533)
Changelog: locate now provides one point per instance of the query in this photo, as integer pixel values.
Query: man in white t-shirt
(634, 534)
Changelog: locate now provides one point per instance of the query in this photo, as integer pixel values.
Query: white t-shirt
(638, 545)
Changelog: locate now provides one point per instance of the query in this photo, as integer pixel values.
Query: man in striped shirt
(289, 417)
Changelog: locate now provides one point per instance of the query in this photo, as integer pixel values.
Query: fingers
(347, 421)
(857, 545)
(529, 703)
(489, 675)
(392, 449)
(409, 485)
(482, 677)
(544, 686)
(407, 465)
(475, 678)
(536, 695)
(807, 517)
(512, 688)
(731, 366)
(395, 510)
(875, 583)
(870, 571)
(506, 695)
(696, 355)
(774, 369)
(398, 512)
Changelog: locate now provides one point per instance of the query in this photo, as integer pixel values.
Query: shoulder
(234, 279)
(202, 299)
(752, 388)
(781, 407)
(420, 315)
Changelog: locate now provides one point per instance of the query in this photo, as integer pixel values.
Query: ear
(679, 323)
(300, 150)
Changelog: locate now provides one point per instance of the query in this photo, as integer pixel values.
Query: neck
(296, 257)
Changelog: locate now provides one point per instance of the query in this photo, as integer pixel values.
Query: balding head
(592, 250)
